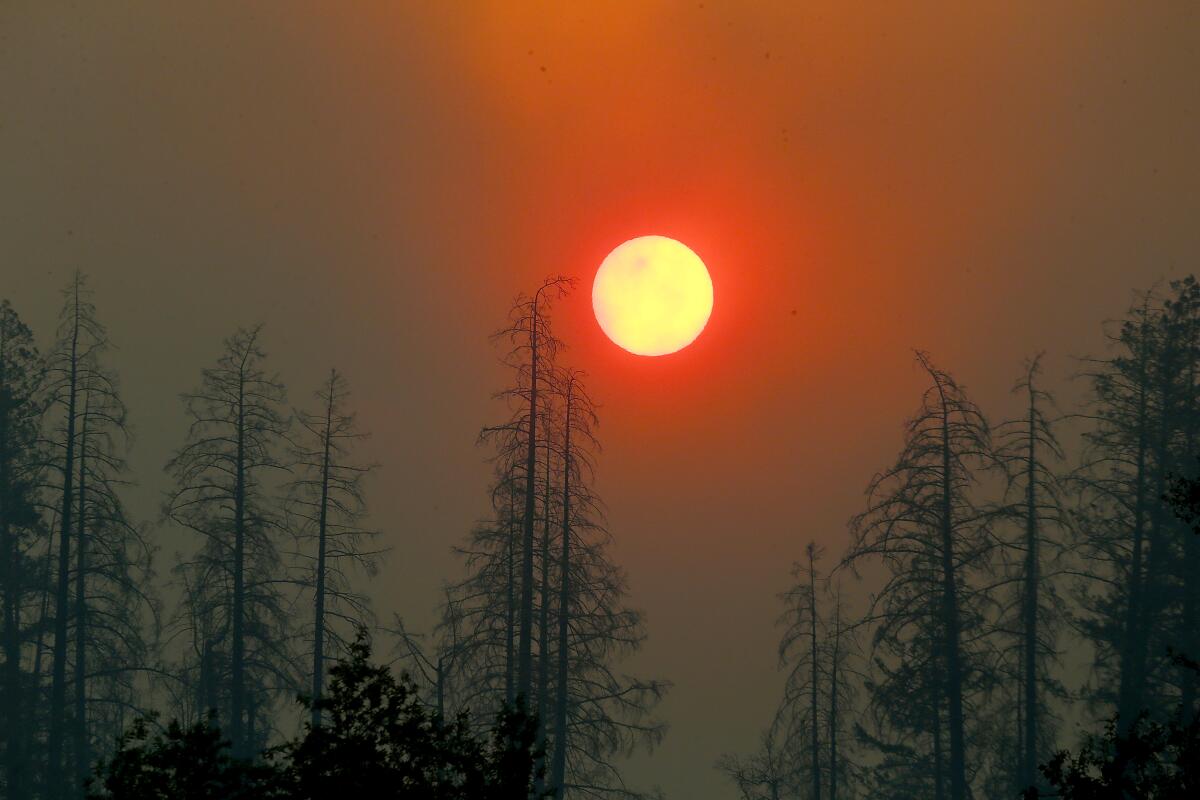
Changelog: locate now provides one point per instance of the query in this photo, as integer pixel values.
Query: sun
(652, 296)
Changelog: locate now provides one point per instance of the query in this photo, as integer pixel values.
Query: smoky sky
(375, 182)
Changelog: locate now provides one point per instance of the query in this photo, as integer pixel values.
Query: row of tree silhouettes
(1000, 563)
(272, 588)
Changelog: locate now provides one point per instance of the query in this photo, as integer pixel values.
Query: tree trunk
(510, 621)
(1191, 589)
(525, 664)
(958, 771)
(238, 665)
(815, 745)
(1133, 659)
(58, 686)
(318, 680)
(939, 770)
(544, 612)
(544, 619)
(80, 721)
(12, 708)
(833, 697)
(1029, 645)
(558, 769)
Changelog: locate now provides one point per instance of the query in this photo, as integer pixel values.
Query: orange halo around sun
(652, 296)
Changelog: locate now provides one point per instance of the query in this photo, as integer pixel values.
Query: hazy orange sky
(376, 181)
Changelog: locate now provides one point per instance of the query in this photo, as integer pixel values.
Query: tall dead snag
(23, 555)
(74, 362)
(1029, 448)
(113, 610)
(841, 657)
(932, 538)
(533, 347)
(326, 504)
(233, 608)
(800, 655)
(599, 713)
(804, 752)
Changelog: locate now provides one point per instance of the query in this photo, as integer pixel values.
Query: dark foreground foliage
(378, 741)
(1153, 761)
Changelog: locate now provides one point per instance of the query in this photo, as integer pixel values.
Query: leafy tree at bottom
(378, 741)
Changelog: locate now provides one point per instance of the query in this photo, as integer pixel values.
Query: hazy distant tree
(925, 524)
(1030, 449)
(112, 608)
(771, 773)
(478, 631)
(840, 647)
(804, 752)
(1139, 598)
(73, 369)
(800, 654)
(22, 550)
(327, 504)
(234, 609)
(1182, 323)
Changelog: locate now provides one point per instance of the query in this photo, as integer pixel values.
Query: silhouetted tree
(1143, 759)
(233, 608)
(113, 605)
(532, 350)
(800, 654)
(598, 713)
(804, 752)
(377, 741)
(22, 550)
(477, 634)
(594, 713)
(932, 536)
(327, 504)
(73, 371)
(1137, 599)
(841, 655)
(182, 763)
(380, 740)
(770, 773)
(1029, 447)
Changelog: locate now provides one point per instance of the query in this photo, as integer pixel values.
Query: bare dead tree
(842, 657)
(933, 538)
(804, 752)
(1029, 447)
(800, 655)
(74, 362)
(327, 504)
(770, 773)
(113, 607)
(533, 347)
(233, 444)
(599, 712)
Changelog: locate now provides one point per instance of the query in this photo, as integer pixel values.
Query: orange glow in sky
(652, 296)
